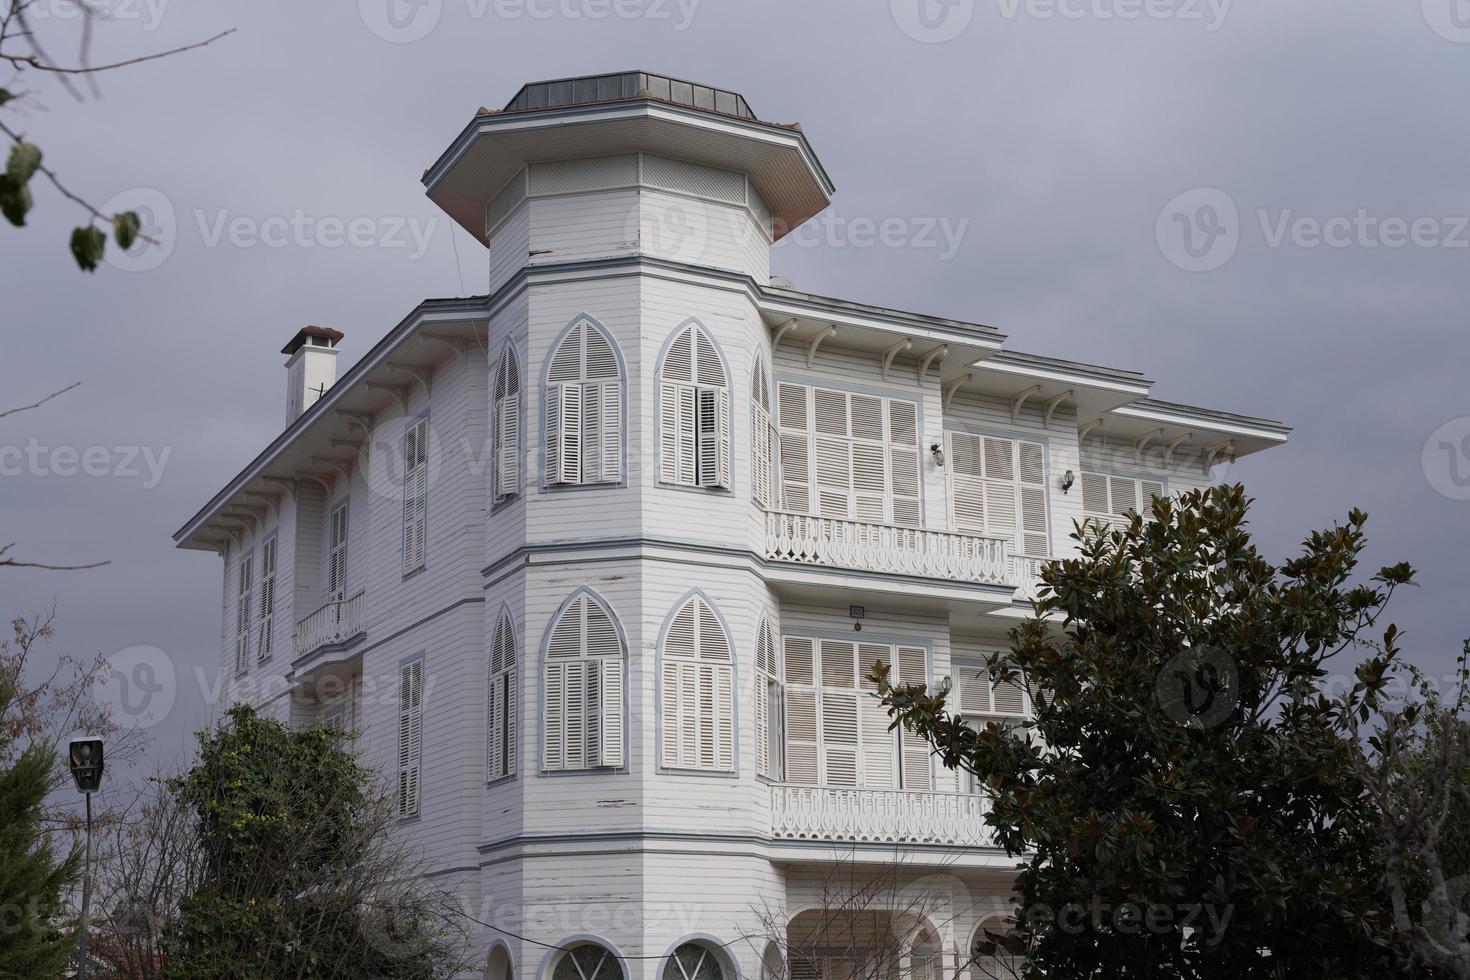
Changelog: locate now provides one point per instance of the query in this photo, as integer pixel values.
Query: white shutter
(337, 575)
(556, 699)
(697, 682)
(507, 457)
(610, 714)
(677, 412)
(602, 432)
(495, 726)
(564, 434)
(918, 771)
(410, 735)
(713, 414)
(1035, 539)
(507, 425)
(501, 707)
(267, 600)
(903, 451)
(242, 613)
(415, 494)
(801, 712)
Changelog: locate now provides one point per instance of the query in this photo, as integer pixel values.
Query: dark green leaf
(24, 159)
(15, 201)
(125, 229)
(87, 245)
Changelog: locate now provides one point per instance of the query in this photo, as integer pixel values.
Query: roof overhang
(1027, 379)
(1184, 430)
(494, 147)
(328, 441)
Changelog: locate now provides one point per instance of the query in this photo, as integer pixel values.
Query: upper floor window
(849, 455)
(410, 734)
(763, 437)
(507, 425)
(415, 494)
(694, 412)
(584, 404)
(584, 687)
(1110, 500)
(770, 704)
(837, 730)
(244, 590)
(982, 702)
(998, 487)
(697, 684)
(501, 707)
(267, 599)
(337, 555)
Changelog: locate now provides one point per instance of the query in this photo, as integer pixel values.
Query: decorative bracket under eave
(323, 480)
(890, 353)
(287, 485)
(363, 420)
(359, 447)
(816, 341)
(1049, 407)
(1019, 401)
(1173, 444)
(395, 391)
(456, 344)
(782, 329)
(342, 467)
(1085, 429)
(950, 387)
(1210, 453)
(1141, 443)
(420, 374)
(929, 358)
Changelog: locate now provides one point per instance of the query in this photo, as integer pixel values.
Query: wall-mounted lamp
(1068, 478)
(857, 613)
(937, 451)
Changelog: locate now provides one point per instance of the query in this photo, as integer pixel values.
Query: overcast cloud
(1040, 142)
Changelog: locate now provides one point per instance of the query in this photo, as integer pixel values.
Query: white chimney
(311, 368)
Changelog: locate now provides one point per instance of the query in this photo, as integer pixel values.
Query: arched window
(584, 687)
(587, 961)
(697, 680)
(693, 961)
(694, 412)
(770, 704)
(584, 405)
(507, 425)
(501, 745)
(763, 436)
(998, 965)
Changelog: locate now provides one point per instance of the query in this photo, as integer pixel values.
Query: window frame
(500, 491)
(506, 675)
(266, 620)
(708, 401)
(619, 700)
(410, 745)
(416, 438)
(244, 609)
(553, 392)
(712, 670)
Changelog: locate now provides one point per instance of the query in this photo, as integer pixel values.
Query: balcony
(887, 816)
(336, 622)
(1026, 573)
(861, 546)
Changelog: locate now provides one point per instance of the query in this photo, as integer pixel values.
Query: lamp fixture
(937, 451)
(1068, 478)
(857, 613)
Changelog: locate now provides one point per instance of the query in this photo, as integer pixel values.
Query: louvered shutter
(903, 450)
(242, 614)
(795, 448)
(839, 706)
(601, 432)
(507, 426)
(967, 483)
(768, 702)
(410, 735)
(267, 600)
(1031, 477)
(1095, 507)
(918, 772)
(610, 714)
(698, 728)
(495, 722)
(502, 704)
(337, 573)
(713, 417)
(677, 421)
(801, 712)
(564, 434)
(556, 716)
(762, 439)
(415, 494)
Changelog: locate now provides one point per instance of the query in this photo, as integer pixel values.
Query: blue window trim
(622, 481)
(658, 692)
(658, 380)
(508, 347)
(625, 767)
(729, 969)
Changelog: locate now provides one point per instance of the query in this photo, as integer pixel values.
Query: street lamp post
(85, 757)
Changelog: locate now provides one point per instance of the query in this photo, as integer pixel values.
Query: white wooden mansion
(584, 558)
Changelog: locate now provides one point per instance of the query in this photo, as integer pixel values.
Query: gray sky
(1055, 133)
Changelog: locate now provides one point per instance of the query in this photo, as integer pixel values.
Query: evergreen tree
(32, 876)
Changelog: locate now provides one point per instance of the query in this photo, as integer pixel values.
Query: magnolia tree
(1185, 802)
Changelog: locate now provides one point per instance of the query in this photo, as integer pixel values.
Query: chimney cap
(299, 341)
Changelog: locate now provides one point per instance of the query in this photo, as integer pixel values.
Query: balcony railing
(827, 813)
(337, 622)
(1026, 573)
(838, 543)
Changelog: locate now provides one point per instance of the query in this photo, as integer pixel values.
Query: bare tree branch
(26, 408)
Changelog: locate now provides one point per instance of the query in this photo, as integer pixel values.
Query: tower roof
(615, 87)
